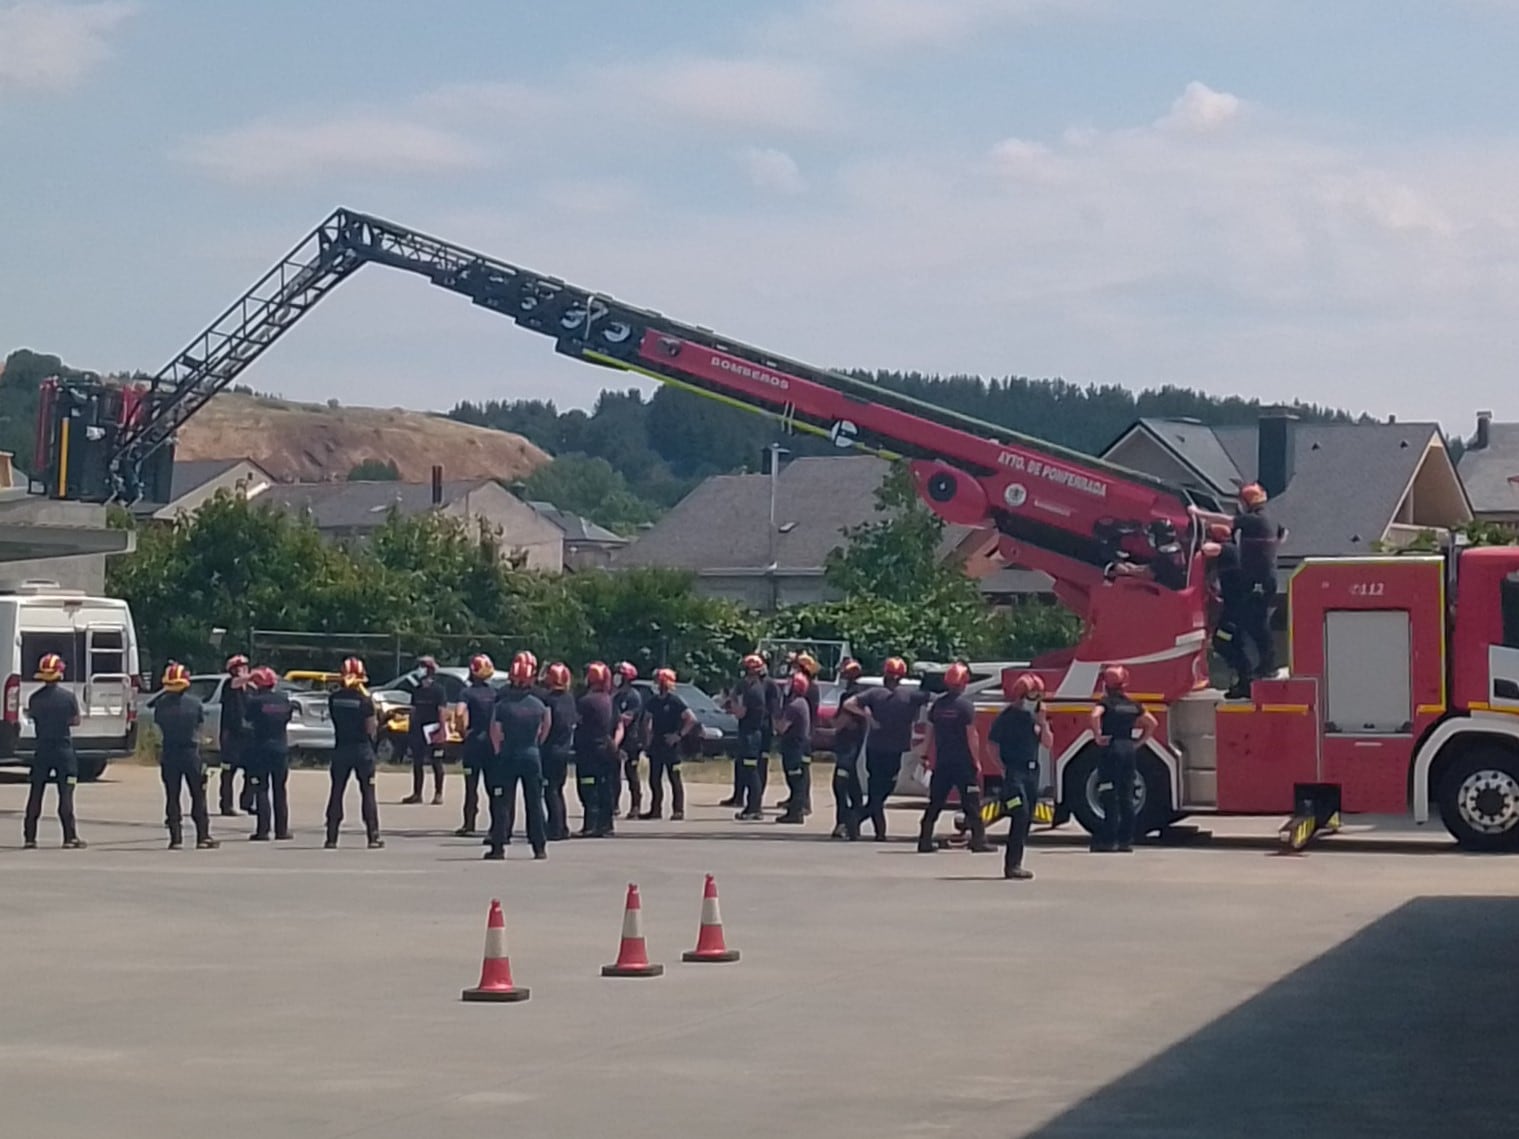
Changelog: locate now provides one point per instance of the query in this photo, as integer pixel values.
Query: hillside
(310, 442)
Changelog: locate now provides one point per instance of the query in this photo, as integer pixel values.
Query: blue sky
(1287, 200)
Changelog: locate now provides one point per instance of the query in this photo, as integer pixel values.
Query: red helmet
(1115, 678)
(956, 677)
(598, 677)
(263, 677)
(1253, 494)
(354, 673)
(522, 672)
(50, 668)
(895, 668)
(235, 662)
(807, 663)
(664, 678)
(558, 677)
(626, 670)
(799, 683)
(849, 669)
(1028, 686)
(429, 665)
(482, 667)
(176, 677)
(1220, 531)
(753, 663)
(524, 655)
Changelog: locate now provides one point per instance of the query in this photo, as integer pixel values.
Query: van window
(108, 652)
(35, 646)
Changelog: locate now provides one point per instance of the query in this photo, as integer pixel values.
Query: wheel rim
(1140, 795)
(1489, 801)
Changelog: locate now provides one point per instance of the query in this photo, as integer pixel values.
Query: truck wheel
(1479, 799)
(385, 751)
(91, 769)
(1152, 792)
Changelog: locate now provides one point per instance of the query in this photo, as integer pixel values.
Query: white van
(97, 640)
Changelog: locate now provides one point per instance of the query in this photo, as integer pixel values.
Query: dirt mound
(310, 443)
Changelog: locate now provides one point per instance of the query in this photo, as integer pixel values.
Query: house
(355, 510)
(722, 532)
(586, 545)
(196, 481)
(1489, 467)
(1338, 488)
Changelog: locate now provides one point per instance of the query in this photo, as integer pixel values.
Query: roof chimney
(1484, 430)
(437, 486)
(1275, 441)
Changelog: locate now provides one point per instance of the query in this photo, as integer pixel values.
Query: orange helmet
(235, 662)
(263, 677)
(429, 665)
(558, 677)
(664, 678)
(1028, 686)
(483, 668)
(1253, 494)
(354, 673)
(956, 677)
(598, 677)
(799, 683)
(50, 668)
(524, 655)
(176, 677)
(1115, 678)
(849, 669)
(523, 672)
(807, 663)
(1220, 531)
(626, 670)
(895, 668)
(753, 662)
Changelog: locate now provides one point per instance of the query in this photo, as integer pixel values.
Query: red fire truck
(1403, 686)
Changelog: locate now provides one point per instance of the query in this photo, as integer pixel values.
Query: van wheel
(385, 751)
(91, 769)
(1152, 792)
(1479, 799)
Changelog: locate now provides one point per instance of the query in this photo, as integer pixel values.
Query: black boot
(976, 824)
(926, 844)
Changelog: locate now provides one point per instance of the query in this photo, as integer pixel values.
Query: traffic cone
(496, 971)
(632, 954)
(709, 939)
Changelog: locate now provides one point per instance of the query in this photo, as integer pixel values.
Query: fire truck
(1402, 690)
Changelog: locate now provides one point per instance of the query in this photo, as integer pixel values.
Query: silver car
(310, 727)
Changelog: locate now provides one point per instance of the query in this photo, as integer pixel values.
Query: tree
(375, 470)
(590, 487)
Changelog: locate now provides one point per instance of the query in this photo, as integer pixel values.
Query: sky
(1294, 200)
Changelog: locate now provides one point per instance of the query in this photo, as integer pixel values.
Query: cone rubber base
(632, 970)
(716, 958)
(495, 996)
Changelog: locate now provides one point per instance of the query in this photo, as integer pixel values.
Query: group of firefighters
(530, 732)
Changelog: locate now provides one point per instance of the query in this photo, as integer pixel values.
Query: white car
(310, 727)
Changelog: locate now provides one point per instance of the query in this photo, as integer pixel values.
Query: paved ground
(289, 991)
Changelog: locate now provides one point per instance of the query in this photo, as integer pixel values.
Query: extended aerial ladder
(1122, 548)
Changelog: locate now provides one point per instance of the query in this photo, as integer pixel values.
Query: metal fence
(385, 654)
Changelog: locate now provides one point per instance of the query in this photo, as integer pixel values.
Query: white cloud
(771, 169)
(49, 46)
(275, 152)
(766, 94)
(883, 27)
(1201, 109)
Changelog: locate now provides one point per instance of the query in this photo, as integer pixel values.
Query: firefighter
(1120, 726)
(557, 748)
(597, 735)
(793, 730)
(627, 705)
(354, 727)
(477, 710)
(1258, 539)
(524, 661)
(518, 729)
(751, 705)
(807, 665)
(54, 714)
(427, 702)
(179, 718)
(1232, 602)
(892, 711)
(848, 739)
(952, 720)
(671, 723)
(1019, 731)
(775, 699)
(268, 754)
(233, 737)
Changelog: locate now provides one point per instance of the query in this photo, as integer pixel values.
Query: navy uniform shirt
(667, 715)
(179, 717)
(269, 714)
(593, 727)
(520, 715)
(563, 718)
(1015, 731)
(894, 711)
(480, 706)
(627, 706)
(427, 705)
(52, 710)
(754, 704)
(350, 709)
(952, 717)
(796, 722)
(1257, 537)
(234, 711)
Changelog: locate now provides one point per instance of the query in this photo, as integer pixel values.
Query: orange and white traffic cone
(633, 953)
(496, 971)
(709, 939)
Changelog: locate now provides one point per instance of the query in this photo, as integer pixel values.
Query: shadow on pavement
(1408, 1029)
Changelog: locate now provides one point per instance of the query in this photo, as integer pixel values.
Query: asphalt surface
(283, 990)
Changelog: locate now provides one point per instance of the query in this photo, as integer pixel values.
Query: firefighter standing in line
(952, 719)
(807, 665)
(893, 710)
(848, 738)
(1258, 538)
(233, 741)
(793, 729)
(354, 727)
(596, 738)
(1121, 726)
(775, 700)
(523, 661)
(752, 708)
(627, 705)
(518, 729)
(1019, 731)
(427, 702)
(54, 714)
(477, 708)
(268, 755)
(671, 722)
(1233, 599)
(179, 718)
(557, 749)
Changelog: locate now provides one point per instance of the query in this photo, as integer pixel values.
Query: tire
(91, 770)
(1152, 792)
(1479, 799)
(386, 751)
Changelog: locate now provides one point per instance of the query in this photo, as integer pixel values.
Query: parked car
(310, 727)
(392, 706)
(719, 729)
